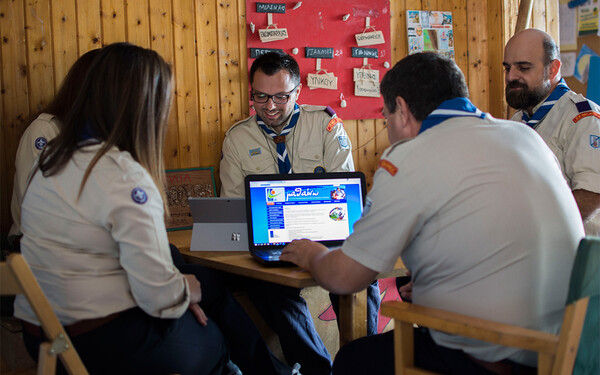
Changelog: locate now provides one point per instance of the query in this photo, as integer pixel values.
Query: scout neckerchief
(543, 110)
(457, 107)
(283, 161)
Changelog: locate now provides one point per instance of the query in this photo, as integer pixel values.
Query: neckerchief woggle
(457, 107)
(283, 161)
(543, 110)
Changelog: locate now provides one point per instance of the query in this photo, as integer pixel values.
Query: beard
(526, 97)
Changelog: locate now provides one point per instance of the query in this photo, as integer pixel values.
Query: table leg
(353, 316)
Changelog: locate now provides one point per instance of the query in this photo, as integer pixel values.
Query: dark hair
(551, 50)
(272, 62)
(69, 88)
(424, 80)
(124, 102)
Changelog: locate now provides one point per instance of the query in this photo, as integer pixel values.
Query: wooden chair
(16, 278)
(556, 353)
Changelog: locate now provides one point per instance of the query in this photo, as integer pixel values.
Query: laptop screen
(322, 207)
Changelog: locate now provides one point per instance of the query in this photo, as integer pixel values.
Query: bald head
(536, 41)
(532, 68)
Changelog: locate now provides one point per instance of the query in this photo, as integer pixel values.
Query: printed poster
(430, 31)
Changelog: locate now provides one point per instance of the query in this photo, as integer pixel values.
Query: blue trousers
(286, 313)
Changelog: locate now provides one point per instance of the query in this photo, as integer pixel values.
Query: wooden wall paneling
(208, 83)
(229, 63)
(243, 60)
(496, 33)
(186, 90)
(39, 51)
(64, 31)
(14, 96)
(161, 40)
(351, 129)
(398, 42)
(138, 22)
(538, 15)
(461, 36)
(381, 140)
(89, 25)
(552, 26)
(113, 21)
(478, 54)
(367, 161)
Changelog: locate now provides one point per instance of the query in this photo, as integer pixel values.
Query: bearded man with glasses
(285, 137)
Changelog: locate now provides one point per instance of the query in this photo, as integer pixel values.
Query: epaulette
(585, 110)
(238, 123)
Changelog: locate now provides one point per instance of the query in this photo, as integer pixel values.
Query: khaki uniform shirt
(574, 137)
(318, 143)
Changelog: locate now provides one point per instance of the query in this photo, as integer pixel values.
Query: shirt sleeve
(134, 215)
(32, 142)
(337, 149)
(582, 154)
(381, 224)
(230, 171)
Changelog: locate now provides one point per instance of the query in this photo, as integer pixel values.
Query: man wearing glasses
(284, 137)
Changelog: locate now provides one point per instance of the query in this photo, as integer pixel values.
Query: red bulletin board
(320, 23)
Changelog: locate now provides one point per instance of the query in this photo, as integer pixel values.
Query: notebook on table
(321, 207)
(219, 224)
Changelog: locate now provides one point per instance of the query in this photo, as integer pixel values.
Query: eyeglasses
(259, 97)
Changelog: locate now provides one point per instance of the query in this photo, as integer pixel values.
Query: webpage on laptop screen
(320, 210)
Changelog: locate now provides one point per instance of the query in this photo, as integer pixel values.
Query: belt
(73, 330)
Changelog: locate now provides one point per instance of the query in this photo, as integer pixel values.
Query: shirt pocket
(311, 158)
(258, 164)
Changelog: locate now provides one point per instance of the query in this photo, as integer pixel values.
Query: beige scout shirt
(104, 251)
(36, 136)
(574, 137)
(312, 146)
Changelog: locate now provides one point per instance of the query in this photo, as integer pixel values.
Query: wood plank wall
(205, 41)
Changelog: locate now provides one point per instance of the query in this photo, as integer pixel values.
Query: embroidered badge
(255, 152)
(319, 169)
(585, 114)
(334, 121)
(594, 141)
(343, 141)
(40, 143)
(388, 166)
(139, 196)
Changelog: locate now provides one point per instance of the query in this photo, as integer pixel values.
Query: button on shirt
(104, 252)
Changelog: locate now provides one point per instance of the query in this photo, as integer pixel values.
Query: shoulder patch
(585, 114)
(40, 143)
(333, 122)
(139, 196)
(388, 166)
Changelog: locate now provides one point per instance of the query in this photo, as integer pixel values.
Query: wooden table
(353, 307)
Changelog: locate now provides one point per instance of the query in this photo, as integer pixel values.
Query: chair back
(16, 278)
(585, 282)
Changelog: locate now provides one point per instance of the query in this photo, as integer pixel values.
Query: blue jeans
(286, 313)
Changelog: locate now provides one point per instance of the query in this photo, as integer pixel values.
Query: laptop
(219, 224)
(322, 207)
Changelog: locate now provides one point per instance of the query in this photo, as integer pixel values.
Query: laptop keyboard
(269, 255)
